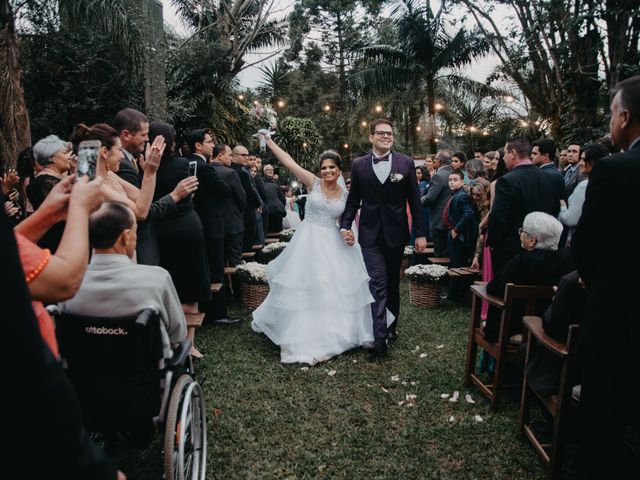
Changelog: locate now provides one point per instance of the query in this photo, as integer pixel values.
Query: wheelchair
(125, 385)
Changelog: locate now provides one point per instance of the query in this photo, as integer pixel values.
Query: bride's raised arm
(303, 175)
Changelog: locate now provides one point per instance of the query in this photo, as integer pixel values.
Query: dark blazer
(462, 216)
(605, 252)
(275, 197)
(523, 190)
(571, 181)
(383, 206)
(551, 169)
(211, 189)
(128, 173)
(262, 191)
(233, 206)
(437, 196)
(253, 198)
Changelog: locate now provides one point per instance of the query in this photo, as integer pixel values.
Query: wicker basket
(425, 295)
(404, 264)
(252, 294)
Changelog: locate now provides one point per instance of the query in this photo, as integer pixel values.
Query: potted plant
(424, 287)
(255, 286)
(270, 251)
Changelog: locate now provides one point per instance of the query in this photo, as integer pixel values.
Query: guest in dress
(423, 176)
(52, 154)
(570, 212)
(180, 235)
(292, 218)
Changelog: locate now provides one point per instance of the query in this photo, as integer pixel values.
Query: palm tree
(110, 17)
(423, 55)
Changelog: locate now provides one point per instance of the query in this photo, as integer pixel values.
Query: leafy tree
(555, 53)
(423, 54)
(301, 139)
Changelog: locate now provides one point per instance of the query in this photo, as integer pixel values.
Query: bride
(319, 301)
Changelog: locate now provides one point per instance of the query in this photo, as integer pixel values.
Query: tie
(384, 158)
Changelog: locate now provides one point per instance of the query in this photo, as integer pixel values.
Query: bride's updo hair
(100, 131)
(333, 156)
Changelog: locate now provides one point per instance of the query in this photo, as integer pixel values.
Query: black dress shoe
(226, 321)
(379, 347)
(392, 336)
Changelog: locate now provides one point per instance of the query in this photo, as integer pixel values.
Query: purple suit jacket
(383, 206)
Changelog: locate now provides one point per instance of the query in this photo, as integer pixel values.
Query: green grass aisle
(342, 419)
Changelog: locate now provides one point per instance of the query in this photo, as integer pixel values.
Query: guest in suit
(459, 218)
(538, 263)
(276, 200)
(257, 180)
(605, 252)
(523, 190)
(543, 156)
(436, 198)
(239, 159)
(233, 207)
(572, 170)
(263, 218)
(133, 129)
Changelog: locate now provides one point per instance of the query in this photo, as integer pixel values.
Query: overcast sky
(251, 76)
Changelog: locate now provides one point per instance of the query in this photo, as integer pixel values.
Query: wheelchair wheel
(185, 437)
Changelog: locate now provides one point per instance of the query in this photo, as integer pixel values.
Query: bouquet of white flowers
(426, 273)
(265, 120)
(408, 251)
(252, 272)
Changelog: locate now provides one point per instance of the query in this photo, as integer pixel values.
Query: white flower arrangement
(252, 272)
(426, 273)
(265, 120)
(408, 251)
(287, 234)
(396, 177)
(270, 251)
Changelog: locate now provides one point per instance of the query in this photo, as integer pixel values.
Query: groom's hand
(421, 244)
(349, 238)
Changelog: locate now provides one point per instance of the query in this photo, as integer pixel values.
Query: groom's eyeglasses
(380, 133)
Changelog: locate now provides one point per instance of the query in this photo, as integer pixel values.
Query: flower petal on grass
(455, 396)
(445, 395)
(331, 373)
(478, 418)
(422, 355)
(452, 419)
(395, 378)
(468, 398)
(439, 347)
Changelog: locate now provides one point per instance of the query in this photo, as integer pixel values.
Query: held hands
(184, 188)
(420, 245)
(348, 237)
(153, 155)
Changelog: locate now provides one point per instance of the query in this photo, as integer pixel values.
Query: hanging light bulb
(378, 108)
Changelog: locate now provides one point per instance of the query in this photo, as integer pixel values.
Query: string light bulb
(378, 108)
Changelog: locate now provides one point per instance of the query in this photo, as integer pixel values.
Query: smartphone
(193, 167)
(88, 158)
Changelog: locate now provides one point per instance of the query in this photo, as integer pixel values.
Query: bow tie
(384, 158)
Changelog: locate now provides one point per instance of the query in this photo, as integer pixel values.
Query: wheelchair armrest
(180, 354)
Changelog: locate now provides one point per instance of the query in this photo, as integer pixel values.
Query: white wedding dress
(319, 300)
(292, 219)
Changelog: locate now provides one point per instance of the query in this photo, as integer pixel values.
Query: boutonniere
(396, 177)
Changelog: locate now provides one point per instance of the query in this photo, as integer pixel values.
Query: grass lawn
(268, 420)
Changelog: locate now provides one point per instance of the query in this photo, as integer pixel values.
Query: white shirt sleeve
(570, 215)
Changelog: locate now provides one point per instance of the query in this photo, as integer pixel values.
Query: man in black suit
(208, 204)
(239, 158)
(524, 189)
(233, 207)
(133, 129)
(436, 199)
(252, 162)
(543, 156)
(275, 200)
(605, 252)
(572, 170)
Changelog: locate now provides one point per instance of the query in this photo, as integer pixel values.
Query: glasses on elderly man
(522, 230)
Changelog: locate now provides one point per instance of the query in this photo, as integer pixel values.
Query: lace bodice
(321, 210)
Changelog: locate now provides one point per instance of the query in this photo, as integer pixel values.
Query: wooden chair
(500, 350)
(247, 255)
(275, 235)
(439, 260)
(558, 405)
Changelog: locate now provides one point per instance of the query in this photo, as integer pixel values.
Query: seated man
(114, 286)
(538, 263)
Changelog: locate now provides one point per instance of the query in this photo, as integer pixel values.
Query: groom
(382, 183)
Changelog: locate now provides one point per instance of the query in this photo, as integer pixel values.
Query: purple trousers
(383, 267)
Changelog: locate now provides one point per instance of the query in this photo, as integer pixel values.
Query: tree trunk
(431, 107)
(14, 117)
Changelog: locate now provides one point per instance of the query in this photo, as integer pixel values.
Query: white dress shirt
(382, 169)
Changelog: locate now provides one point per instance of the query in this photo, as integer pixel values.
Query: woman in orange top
(54, 278)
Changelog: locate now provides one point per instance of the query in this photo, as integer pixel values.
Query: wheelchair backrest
(115, 366)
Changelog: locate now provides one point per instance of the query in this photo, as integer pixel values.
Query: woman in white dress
(319, 301)
(292, 218)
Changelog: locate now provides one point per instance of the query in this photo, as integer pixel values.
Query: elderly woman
(538, 263)
(53, 155)
(570, 213)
